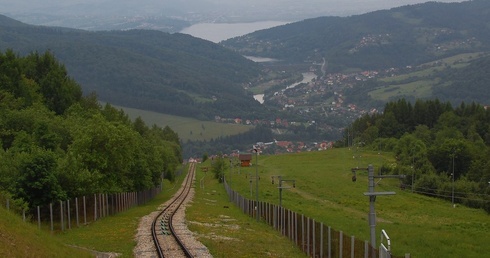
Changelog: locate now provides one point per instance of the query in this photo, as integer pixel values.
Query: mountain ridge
(169, 73)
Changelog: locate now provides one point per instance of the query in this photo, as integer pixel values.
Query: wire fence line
(65, 214)
(312, 237)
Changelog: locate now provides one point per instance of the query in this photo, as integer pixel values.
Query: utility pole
(372, 198)
(257, 181)
(280, 187)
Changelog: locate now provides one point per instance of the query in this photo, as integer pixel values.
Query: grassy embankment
(116, 233)
(21, 239)
(416, 224)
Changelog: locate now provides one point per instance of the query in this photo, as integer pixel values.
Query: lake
(217, 32)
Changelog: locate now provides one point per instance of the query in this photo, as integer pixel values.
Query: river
(307, 77)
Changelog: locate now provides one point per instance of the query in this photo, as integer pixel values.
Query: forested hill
(170, 73)
(56, 144)
(408, 35)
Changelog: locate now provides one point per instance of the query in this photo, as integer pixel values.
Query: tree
(38, 183)
(218, 166)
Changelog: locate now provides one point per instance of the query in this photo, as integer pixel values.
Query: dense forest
(57, 144)
(436, 145)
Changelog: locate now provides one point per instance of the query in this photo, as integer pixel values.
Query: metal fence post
(51, 215)
(39, 217)
(76, 211)
(61, 216)
(84, 211)
(341, 244)
(95, 207)
(329, 242)
(321, 240)
(352, 241)
(68, 212)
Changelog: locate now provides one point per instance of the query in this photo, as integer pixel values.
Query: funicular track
(167, 241)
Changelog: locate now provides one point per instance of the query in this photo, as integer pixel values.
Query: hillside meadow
(21, 239)
(187, 128)
(420, 225)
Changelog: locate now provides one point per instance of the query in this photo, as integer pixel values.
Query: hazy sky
(308, 8)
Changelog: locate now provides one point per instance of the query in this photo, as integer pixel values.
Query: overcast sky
(310, 8)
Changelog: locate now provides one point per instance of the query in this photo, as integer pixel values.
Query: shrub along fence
(63, 215)
(312, 237)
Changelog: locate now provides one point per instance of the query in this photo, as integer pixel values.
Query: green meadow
(420, 225)
(187, 128)
(21, 239)
(419, 83)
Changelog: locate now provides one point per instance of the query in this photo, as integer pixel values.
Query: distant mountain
(169, 73)
(408, 35)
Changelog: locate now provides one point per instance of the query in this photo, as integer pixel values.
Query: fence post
(308, 235)
(61, 216)
(314, 239)
(341, 244)
(84, 211)
(68, 209)
(51, 215)
(296, 227)
(321, 240)
(76, 211)
(366, 249)
(329, 242)
(95, 207)
(352, 240)
(303, 232)
(38, 217)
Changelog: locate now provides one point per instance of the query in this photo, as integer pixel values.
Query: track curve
(167, 241)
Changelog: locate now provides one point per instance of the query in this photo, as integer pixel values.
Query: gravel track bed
(144, 242)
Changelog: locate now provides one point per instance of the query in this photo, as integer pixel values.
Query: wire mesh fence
(65, 214)
(312, 237)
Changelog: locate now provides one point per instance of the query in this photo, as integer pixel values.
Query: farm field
(419, 225)
(187, 128)
(418, 84)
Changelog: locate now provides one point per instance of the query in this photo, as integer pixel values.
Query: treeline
(434, 144)
(57, 144)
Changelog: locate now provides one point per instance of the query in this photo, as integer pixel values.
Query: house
(245, 159)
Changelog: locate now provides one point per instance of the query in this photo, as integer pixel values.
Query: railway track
(166, 237)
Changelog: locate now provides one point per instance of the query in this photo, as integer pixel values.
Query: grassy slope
(20, 239)
(201, 130)
(420, 225)
(422, 87)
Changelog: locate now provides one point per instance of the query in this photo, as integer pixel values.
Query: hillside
(169, 73)
(20, 239)
(398, 37)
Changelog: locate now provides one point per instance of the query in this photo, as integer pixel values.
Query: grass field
(20, 239)
(416, 224)
(422, 87)
(187, 128)
(226, 231)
